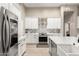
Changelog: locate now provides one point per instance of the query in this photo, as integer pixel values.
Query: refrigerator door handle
(7, 34)
(3, 35)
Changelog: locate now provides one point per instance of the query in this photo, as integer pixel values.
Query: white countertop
(63, 40)
(54, 34)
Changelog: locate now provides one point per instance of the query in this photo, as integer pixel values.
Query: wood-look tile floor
(33, 50)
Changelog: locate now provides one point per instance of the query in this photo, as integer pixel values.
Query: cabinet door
(54, 23)
(32, 38)
(28, 38)
(31, 23)
(35, 38)
(22, 45)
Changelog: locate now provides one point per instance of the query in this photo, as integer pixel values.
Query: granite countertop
(63, 40)
(54, 34)
(65, 45)
(68, 50)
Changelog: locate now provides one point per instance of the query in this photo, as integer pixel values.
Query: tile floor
(33, 50)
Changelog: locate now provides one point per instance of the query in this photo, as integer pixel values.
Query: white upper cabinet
(54, 23)
(31, 23)
(78, 22)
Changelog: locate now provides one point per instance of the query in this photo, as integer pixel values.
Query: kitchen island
(63, 46)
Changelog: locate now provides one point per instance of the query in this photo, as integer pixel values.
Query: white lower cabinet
(22, 47)
(32, 38)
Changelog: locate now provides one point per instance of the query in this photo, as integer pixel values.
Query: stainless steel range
(42, 37)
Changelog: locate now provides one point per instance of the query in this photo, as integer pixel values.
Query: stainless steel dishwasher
(52, 48)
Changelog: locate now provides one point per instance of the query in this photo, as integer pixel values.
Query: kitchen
(46, 29)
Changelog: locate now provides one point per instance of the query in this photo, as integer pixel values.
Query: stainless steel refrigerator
(8, 33)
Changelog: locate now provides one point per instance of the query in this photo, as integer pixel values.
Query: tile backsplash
(42, 30)
(53, 30)
(31, 30)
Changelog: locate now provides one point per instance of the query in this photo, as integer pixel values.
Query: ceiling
(47, 4)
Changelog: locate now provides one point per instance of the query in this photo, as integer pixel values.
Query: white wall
(43, 12)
